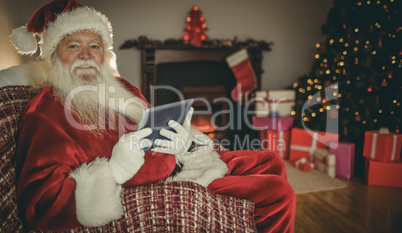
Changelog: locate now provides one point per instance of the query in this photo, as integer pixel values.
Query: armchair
(157, 207)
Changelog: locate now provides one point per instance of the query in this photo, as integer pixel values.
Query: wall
(293, 26)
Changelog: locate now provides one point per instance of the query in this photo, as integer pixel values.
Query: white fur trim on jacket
(97, 195)
(81, 18)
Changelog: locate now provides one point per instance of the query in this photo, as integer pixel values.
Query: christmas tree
(355, 83)
(195, 27)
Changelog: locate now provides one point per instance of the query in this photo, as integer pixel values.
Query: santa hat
(58, 18)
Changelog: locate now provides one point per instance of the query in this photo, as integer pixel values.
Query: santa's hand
(201, 140)
(180, 141)
(128, 154)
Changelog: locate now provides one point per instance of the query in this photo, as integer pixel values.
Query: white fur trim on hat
(24, 41)
(97, 195)
(68, 22)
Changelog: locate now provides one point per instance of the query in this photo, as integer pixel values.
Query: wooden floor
(357, 208)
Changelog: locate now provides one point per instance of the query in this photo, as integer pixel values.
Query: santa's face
(82, 52)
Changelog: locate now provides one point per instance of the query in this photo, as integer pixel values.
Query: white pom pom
(24, 40)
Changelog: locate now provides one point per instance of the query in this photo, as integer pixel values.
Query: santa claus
(79, 144)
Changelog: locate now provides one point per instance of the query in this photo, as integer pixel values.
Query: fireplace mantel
(151, 57)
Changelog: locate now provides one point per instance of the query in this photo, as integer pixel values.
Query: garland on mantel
(145, 42)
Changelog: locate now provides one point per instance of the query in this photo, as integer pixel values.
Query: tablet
(158, 117)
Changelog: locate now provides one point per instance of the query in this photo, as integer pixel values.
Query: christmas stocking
(244, 73)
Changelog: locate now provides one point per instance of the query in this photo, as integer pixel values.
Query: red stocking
(244, 73)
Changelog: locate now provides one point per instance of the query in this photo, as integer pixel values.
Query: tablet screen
(158, 117)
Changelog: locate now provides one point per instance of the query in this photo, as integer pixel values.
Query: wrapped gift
(272, 123)
(325, 162)
(279, 101)
(278, 142)
(304, 142)
(384, 173)
(344, 158)
(304, 165)
(382, 145)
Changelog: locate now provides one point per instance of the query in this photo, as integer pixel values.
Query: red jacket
(49, 148)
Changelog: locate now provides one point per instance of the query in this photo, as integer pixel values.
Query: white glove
(128, 154)
(180, 141)
(201, 140)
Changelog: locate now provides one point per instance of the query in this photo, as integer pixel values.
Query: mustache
(85, 63)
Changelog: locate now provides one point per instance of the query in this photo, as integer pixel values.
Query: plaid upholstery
(159, 207)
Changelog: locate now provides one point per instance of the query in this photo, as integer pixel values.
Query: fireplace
(201, 73)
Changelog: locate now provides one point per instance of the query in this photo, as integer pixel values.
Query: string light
(346, 69)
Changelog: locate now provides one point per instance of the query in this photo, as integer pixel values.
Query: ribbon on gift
(270, 101)
(374, 143)
(280, 135)
(310, 149)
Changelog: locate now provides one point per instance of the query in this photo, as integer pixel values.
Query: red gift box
(382, 146)
(304, 165)
(344, 158)
(272, 123)
(278, 142)
(384, 174)
(304, 142)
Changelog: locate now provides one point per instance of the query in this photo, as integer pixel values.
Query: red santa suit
(51, 150)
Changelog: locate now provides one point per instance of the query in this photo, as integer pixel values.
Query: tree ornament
(369, 89)
(323, 48)
(367, 113)
(356, 60)
(358, 118)
(195, 28)
(345, 131)
(397, 129)
(390, 75)
(384, 83)
(368, 62)
(380, 43)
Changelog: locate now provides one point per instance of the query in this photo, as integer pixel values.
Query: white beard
(105, 93)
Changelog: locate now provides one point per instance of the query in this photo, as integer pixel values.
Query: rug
(311, 181)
